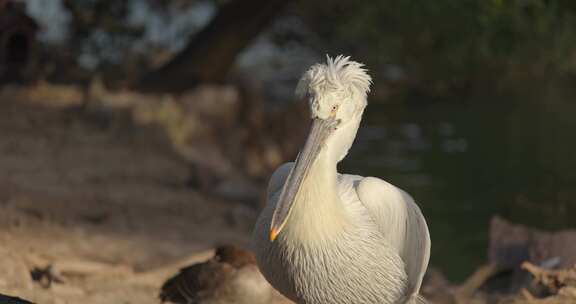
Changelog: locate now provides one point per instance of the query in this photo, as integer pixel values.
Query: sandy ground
(104, 204)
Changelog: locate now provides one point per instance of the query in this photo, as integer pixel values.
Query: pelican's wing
(402, 223)
(277, 180)
(262, 228)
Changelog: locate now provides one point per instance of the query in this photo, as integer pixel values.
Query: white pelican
(330, 238)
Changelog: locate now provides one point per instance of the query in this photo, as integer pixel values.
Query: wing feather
(277, 180)
(401, 221)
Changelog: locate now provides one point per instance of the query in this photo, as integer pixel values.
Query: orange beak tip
(273, 234)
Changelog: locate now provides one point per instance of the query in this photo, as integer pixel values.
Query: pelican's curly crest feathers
(337, 73)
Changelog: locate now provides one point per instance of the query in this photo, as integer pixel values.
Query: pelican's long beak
(319, 132)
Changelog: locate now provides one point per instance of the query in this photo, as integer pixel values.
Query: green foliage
(452, 42)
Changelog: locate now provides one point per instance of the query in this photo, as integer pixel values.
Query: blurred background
(137, 132)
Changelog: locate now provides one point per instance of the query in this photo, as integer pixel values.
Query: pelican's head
(336, 92)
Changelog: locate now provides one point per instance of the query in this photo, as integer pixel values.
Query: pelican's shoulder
(372, 191)
(384, 200)
(373, 188)
(347, 184)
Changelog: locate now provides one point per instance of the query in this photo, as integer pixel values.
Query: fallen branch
(465, 292)
(554, 280)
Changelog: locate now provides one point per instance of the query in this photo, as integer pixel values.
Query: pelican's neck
(318, 211)
(340, 142)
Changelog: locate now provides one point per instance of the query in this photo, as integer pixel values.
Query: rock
(12, 300)
(511, 244)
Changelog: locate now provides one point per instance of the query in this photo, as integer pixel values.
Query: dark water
(465, 164)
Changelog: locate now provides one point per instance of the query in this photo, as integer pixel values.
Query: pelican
(330, 238)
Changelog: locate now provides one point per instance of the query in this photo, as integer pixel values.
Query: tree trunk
(211, 53)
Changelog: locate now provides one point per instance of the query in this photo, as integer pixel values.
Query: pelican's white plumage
(330, 238)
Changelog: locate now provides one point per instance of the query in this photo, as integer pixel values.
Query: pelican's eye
(333, 110)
